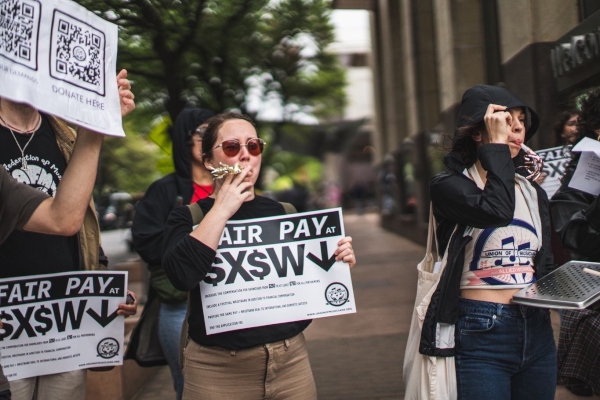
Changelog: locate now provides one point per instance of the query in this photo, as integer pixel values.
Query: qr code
(77, 53)
(19, 31)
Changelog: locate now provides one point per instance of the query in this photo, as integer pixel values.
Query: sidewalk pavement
(360, 356)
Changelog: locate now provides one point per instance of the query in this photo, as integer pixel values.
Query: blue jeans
(504, 352)
(170, 321)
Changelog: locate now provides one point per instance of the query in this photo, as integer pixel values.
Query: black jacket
(168, 192)
(576, 218)
(458, 202)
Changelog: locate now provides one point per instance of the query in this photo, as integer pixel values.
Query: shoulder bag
(425, 377)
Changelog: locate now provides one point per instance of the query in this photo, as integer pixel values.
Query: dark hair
(589, 116)
(463, 142)
(559, 125)
(212, 130)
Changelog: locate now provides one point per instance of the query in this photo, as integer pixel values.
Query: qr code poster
(19, 31)
(61, 58)
(77, 53)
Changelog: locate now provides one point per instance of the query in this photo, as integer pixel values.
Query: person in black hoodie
(190, 182)
(576, 218)
(494, 231)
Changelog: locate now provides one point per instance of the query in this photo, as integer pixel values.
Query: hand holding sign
(345, 252)
(125, 95)
(128, 308)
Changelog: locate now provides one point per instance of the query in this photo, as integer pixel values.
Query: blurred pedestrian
(565, 135)
(565, 128)
(576, 216)
(389, 183)
(494, 226)
(190, 182)
(255, 363)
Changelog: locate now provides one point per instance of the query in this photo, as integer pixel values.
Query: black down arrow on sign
(104, 318)
(323, 262)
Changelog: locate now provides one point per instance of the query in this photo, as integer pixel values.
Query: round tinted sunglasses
(232, 147)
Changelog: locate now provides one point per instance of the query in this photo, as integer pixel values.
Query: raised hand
(233, 191)
(125, 95)
(497, 122)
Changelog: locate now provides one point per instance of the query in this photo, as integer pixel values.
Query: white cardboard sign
(587, 174)
(275, 270)
(555, 163)
(61, 322)
(61, 58)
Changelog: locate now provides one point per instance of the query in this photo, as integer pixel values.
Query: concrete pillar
(461, 61)
(409, 96)
(379, 127)
(389, 19)
(444, 38)
(426, 59)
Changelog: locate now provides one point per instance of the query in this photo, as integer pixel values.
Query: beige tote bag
(427, 378)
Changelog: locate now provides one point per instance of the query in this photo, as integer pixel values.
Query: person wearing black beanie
(494, 230)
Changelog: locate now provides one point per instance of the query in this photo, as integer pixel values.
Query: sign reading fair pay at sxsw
(277, 269)
(61, 322)
(61, 59)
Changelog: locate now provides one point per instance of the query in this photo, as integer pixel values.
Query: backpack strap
(196, 212)
(288, 207)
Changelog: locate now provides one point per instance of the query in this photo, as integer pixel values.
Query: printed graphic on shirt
(40, 174)
(504, 255)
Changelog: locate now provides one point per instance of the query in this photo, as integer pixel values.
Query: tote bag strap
(432, 235)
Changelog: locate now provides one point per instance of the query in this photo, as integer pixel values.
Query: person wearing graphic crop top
(494, 232)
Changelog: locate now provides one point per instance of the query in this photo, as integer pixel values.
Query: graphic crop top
(502, 257)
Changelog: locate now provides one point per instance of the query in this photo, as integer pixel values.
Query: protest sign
(61, 58)
(587, 145)
(278, 269)
(61, 322)
(555, 163)
(587, 174)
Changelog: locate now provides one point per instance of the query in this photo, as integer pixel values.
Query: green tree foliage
(127, 164)
(212, 53)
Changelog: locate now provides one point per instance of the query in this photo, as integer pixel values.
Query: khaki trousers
(273, 371)
(66, 385)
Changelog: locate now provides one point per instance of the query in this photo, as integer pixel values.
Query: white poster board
(61, 322)
(275, 270)
(61, 58)
(587, 174)
(556, 160)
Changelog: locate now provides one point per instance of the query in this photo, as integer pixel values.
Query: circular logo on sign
(79, 53)
(336, 294)
(108, 348)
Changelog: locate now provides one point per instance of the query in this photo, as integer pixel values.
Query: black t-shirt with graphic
(26, 253)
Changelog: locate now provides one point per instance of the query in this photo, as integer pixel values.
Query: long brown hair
(463, 143)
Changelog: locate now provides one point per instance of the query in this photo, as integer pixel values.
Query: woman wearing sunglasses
(267, 361)
(189, 183)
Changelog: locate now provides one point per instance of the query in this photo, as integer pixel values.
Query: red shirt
(201, 192)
